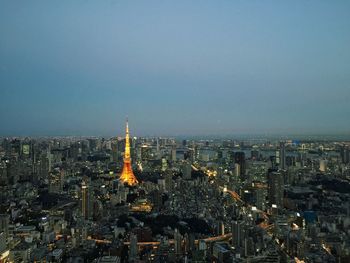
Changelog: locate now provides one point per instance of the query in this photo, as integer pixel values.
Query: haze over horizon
(174, 68)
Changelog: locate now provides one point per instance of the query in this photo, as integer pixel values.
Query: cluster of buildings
(128, 199)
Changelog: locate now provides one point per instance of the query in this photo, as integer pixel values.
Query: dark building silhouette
(240, 159)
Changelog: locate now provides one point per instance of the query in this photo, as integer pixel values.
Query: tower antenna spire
(127, 175)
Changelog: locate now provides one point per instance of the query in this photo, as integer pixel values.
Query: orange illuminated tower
(127, 175)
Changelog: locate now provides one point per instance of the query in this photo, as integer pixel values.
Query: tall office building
(275, 188)
(240, 159)
(4, 224)
(86, 200)
(178, 242)
(114, 146)
(345, 154)
(173, 154)
(259, 199)
(127, 175)
(237, 230)
(49, 158)
(237, 170)
(282, 156)
(157, 146)
(186, 170)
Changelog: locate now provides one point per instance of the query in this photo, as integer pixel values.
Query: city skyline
(176, 69)
(238, 148)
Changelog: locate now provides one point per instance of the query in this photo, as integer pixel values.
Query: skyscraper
(178, 242)
(86, 201)
(345, 154)
(240, 159)
(275, 187)
(115, 152)
(236, 229)
(127, 175)
(282, 156)
(173, 154)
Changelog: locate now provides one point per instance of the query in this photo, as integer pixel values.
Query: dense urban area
(128, 199)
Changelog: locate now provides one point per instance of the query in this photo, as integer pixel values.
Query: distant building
(108, 259)
(237, 231)
(275, 183)
(186, 170)
(240, 159)
(114, 152)
(345, 154)
(178, 242)
(323, 166)
(56, 181)
(173, 154)
(133, 247)
(282, 156)
(3, 244)
(4, 224)
(164, 165)
(254, 154)
(221, 252)
(86, 200)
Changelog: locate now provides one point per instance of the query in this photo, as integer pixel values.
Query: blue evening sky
(174, 67)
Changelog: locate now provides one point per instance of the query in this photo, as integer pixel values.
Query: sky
(174, 67)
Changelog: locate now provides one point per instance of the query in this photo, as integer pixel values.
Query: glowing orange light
(127, 175)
